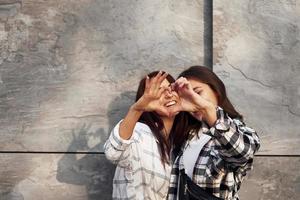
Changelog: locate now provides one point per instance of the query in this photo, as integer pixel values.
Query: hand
(190, 101)
(151, 99)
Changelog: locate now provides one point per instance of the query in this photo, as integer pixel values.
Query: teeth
(171, 103)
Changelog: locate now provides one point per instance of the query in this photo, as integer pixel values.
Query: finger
(147, 83)
(181, 84)
(178, 89)
(162, 77)
(173, 86)
(184, 83)
(155, 82)
(180, 79)
(184, 79)
(155, 79)
(153, 86)
(188, 85)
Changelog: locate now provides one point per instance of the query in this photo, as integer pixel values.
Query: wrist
(198, 104)
(136, 108)
(210, 114)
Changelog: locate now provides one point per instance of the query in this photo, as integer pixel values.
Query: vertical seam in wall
(208, 33)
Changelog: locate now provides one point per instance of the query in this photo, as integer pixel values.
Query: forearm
(116, 149)
(210, 115)
(128, 124)
(207, 110)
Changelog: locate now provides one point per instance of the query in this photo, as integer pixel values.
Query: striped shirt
(140, 173)
(224, 160)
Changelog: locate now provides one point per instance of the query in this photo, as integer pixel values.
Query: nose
(168, 93)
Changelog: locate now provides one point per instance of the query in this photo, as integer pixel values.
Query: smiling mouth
(170, 103)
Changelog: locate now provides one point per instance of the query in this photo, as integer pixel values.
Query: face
(204, 90)
(169, 98)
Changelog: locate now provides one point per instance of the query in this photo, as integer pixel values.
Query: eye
(199, 92)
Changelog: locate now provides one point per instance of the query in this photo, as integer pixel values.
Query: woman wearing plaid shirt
(139, 144)
(208, 121)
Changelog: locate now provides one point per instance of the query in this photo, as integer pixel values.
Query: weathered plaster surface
(256, 53)
(69, 64)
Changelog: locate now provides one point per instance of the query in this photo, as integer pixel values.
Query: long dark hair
(153, 120)
(185, 123)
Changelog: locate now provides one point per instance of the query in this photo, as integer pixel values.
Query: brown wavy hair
(153, 120)
(184, 122)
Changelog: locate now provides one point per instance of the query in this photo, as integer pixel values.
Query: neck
(168, 123)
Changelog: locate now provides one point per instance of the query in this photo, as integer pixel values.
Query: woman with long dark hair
(213, 148)
(139, 144)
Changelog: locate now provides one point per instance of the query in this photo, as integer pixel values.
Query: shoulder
(141, 130)
(139, 126)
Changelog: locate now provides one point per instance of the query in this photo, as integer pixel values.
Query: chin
(161, 114)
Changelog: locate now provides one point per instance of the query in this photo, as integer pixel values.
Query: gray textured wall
(69, 69)
(68, 63)
(256, 53)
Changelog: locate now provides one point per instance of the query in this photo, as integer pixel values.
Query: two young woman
(212, 148)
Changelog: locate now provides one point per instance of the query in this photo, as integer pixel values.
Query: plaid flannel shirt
(224, 160)
(139, 174)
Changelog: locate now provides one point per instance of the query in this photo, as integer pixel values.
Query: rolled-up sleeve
(116, 149)
(238, 143)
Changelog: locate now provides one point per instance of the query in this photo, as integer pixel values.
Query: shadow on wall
(93, 170)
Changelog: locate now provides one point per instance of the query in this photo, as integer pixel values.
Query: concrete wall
(69, 69)
(256, 53)
(68, 63)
